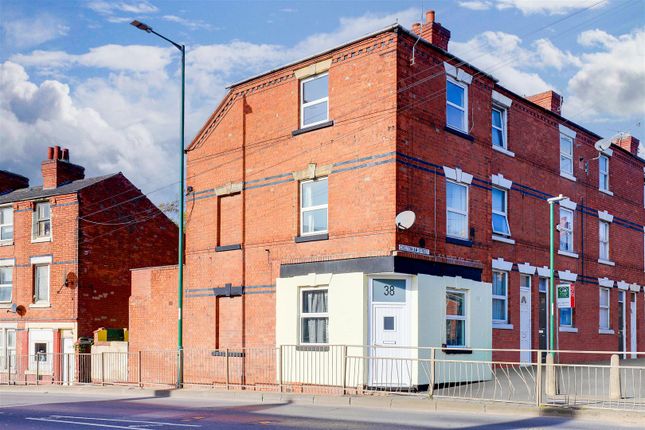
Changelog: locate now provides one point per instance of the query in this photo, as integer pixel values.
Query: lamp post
(180, 258)
(551, 308)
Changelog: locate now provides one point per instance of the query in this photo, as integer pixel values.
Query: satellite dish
(602, 145)
(405, 220)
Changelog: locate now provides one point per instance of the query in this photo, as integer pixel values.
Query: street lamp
(180, 286)
(552, 201)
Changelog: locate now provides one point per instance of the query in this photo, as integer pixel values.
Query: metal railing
(596, 379)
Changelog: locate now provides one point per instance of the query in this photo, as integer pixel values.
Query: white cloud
(27, 33)
(551, 7)
(552, 56)
(476, 4)
(111, 7)
(191, 24)
(596, 38)
(610, 81)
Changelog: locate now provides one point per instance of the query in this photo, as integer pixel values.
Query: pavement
(56, 407)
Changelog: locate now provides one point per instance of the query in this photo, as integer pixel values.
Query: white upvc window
(603, 173)
(6, 284)
(500, 212)
(314, 316)
(6, 223)
(7, 348)
(313, 207)
(456, 105)
(566, 230)
(314, 100)
(41, 283)
(604, 309)
(500, 297)
(456, 210)
(42, 221)
(456, 318)
(566, 155)
(603, 236)
(499, 127)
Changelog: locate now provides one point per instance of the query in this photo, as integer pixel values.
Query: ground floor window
(500, 297)
(455, 318)
(314, 316)
(7, 348)
(566, 317)
(604, 309)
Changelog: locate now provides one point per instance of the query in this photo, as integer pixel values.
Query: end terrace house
(66, 250)
(297, 178)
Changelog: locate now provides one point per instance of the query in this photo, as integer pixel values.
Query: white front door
(68, 360)
(632, 313)
(390, 355)
(525, 325)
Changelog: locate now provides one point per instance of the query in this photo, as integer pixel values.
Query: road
(56, 410)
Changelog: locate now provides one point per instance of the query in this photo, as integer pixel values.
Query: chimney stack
(432, 31)
(57, 170)
(628, 142)
(11, 181)
(548, 100)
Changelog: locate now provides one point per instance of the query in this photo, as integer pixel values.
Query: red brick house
(297, 177)
(66, 250)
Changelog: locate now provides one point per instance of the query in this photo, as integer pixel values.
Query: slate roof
(32, 193)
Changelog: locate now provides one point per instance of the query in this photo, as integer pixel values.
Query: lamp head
(141, 26)
(556, 199)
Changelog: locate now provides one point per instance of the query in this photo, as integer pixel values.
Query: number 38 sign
(388, 290)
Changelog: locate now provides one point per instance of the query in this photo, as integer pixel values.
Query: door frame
(633, 323)
(622, 309)
(528, 291)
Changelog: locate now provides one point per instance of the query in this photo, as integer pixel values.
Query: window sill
(504, 151)
(459, 133)
(451, 350)
(606, 331)
(40, 305)
(5, 305)
(502, 326)
(504, 239)
(568, 329)
(457, 241)
(41, 239)
(568, 176)
(6, 243)
(609, 193)
(40, 373)
(607, 262)
(225, 248)
(311, 238)
(312, 128)
(568, 254)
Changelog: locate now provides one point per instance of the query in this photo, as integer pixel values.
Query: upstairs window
(499, 127)
(42, 221)
(456, 210)
(603, 173)
(6, 281)
(603, 234)
(313, 207)
(566, 230)
(500, 212)
(6, 223)
(457, 105)
(314, 100)
(314, 317)
(41, 283)
(566, 155)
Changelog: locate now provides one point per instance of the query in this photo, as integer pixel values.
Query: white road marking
(134, 424)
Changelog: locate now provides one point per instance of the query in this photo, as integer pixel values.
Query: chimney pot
(57, 153)
(65, 154)
(433, 32)
(429, 16)
(416, 28)
(50, 153)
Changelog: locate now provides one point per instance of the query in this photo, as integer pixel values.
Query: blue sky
(75, 74)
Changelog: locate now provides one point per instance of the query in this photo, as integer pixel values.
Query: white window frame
(303, 315)
(603, 174)
(463, 317)
(503, 214)
(4, 224)
(36, 299)
(504, 298)
(605, 308)
(463, 108)
(456, 210)
(36, 221)
(503, 113)
(603, 243)
(304, 105)
(567, 156)
(5, 349)
(566, 230)
(313, 208)
(9, 285)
